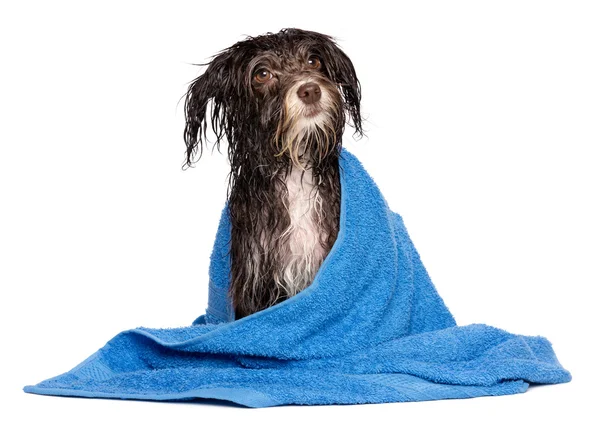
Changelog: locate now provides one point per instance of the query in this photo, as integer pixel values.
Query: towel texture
(371, 328)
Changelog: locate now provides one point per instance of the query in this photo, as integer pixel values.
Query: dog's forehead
(282, 57)
(279, 48)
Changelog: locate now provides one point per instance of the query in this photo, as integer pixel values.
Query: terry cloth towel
(371, 328)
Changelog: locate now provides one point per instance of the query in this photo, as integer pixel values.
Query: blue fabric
(371, 328)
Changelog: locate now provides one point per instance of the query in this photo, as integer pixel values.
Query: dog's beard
(309, 133)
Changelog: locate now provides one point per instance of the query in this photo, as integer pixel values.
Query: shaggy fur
(283, 147)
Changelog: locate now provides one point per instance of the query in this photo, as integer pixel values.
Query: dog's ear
(212, 85)
(341, 71)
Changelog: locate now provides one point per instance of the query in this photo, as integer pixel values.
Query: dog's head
(283, 96)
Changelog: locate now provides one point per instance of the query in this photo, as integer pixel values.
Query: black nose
(309, 93)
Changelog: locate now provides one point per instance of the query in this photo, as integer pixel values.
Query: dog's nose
(309, 93)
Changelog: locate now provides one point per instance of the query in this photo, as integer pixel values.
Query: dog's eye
(314, 62)
(263, 75)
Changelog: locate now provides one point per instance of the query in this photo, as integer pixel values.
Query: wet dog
(281, 102)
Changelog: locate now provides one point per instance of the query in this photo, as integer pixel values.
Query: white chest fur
(303, 253)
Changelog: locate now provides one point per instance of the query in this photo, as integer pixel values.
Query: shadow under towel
(371, 328)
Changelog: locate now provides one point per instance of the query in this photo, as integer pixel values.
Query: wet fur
(284, 187)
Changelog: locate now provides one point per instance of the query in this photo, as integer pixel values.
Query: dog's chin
(312, 111)
(312, 118)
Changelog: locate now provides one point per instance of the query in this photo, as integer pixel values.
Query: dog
(281, 101)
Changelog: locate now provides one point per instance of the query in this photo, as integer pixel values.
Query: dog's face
(275, 96)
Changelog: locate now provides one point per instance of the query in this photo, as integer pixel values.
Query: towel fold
(371, 328)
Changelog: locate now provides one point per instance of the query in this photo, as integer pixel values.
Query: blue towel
(371, 328)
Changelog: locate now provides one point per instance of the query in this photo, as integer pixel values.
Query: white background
(483, 125)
